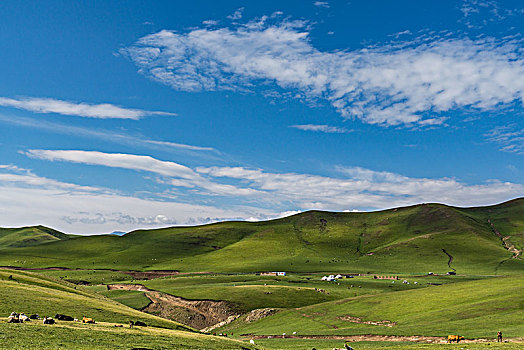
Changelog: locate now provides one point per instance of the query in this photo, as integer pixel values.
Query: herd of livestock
(22, 317)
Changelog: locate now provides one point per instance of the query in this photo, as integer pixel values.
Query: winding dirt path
(374, 337)
(506, 243)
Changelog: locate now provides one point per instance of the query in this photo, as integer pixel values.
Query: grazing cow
(140, 323)
(455, 338)
(23, 318)
(87, 320)
(61, 317)
(48, 320)
(13, 319)
(34, 317)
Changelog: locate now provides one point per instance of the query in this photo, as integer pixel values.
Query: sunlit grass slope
(29, 236)
(411, 239)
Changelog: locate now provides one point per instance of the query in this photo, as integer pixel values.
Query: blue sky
(136, 114)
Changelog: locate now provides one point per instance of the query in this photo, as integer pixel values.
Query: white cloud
(242, 193)
(104, 110)
(321, 128)
(364, 188)
(116, 160)
(237, 14)
(88, 210)
(184, 176)
(210, 22)
(324, 4)
(413, 82)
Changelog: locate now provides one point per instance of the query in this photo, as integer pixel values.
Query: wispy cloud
(105, 135)
(210, 22)
(479, 13)
(399, 83)
(25, 177)
(321, 128)
(510, 138)
(324, 4)
(103, 111)
(237, 14)
(183, 175)
(180, 145)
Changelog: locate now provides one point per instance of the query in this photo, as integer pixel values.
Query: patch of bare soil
(353, 319)
(220, 324)
(372, 337)
(258, 314)
(506, 242)
(199, 314)
(122, 286)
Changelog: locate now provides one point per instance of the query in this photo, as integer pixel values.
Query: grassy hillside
(29, 236)
(405, 240)
(472, 309)
(32, 293)
(103, 336)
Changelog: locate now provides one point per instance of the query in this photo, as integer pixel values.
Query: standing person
(499, 337)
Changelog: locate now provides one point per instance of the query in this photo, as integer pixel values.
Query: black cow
(61, 317)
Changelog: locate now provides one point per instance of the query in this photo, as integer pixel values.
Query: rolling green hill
(29, 236)
(413, 239)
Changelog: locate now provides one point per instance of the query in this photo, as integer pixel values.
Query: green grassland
(403, 240)
(250, 292)
(103, 336)
(32, 293)
(473, 309)
(219, 262)
(29, 292)
(328, 344)
(83, 276)
(132, 298)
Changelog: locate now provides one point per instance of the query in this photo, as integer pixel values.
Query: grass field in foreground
(473, 309)
(329, 344)
(78, 336)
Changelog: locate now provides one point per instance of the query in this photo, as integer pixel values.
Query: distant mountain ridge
(409, 239)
